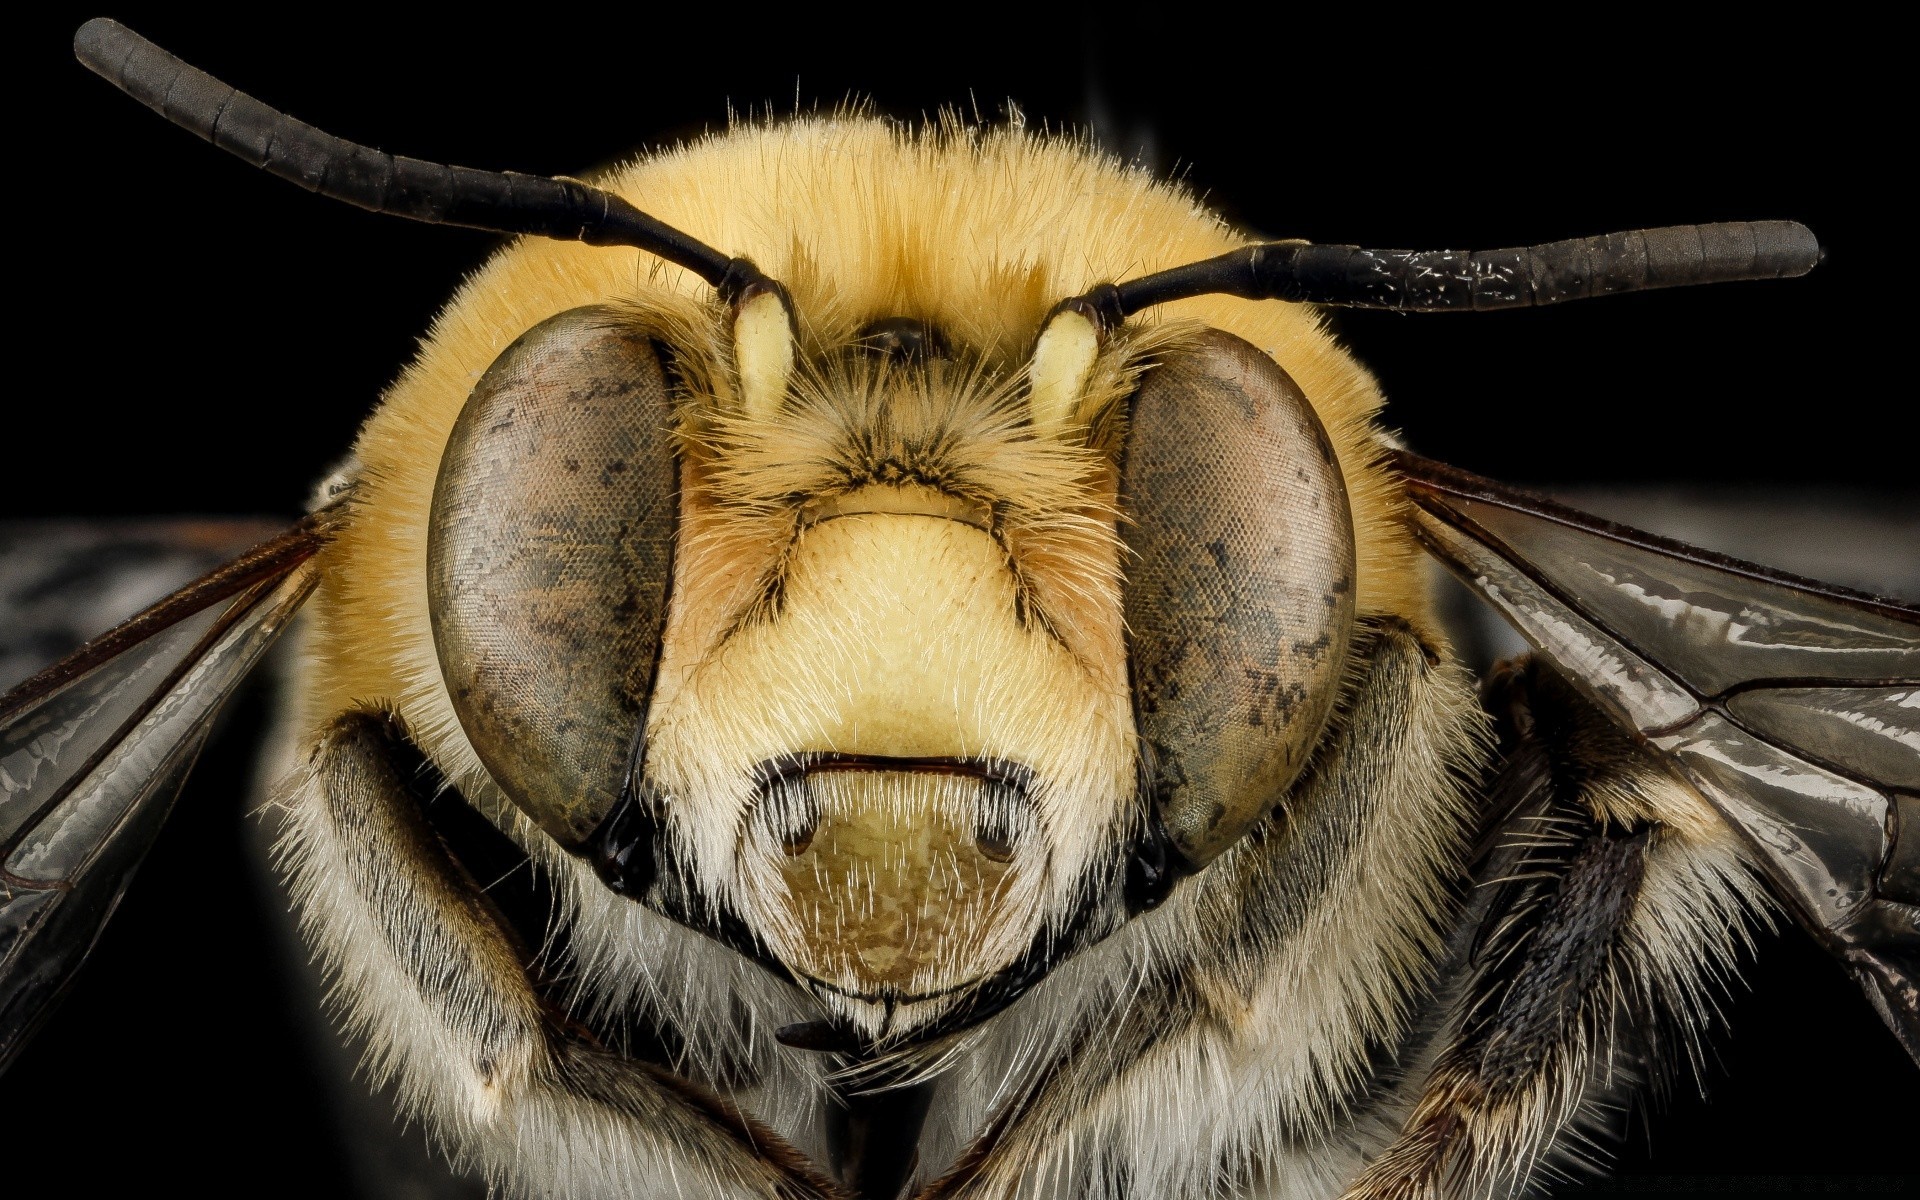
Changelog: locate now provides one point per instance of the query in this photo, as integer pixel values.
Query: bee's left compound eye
(549, 558)
(1239, 587)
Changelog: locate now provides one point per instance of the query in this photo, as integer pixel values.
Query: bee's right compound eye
(549, 558)
(1239, 586)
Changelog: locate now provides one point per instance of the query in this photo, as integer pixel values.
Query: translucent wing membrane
(94, 749)
(1792, 706)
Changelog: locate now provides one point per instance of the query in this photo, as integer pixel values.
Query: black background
(209, 338)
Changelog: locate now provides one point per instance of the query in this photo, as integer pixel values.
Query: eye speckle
(1316, 647)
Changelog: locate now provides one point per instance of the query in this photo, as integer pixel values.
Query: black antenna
(498, 201)
(1427, 281)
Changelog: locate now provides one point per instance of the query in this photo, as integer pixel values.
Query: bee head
(901, 668)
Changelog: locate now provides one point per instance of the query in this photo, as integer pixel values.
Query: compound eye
(549, 556)
(1239, 586)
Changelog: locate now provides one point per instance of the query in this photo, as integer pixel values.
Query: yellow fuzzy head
(886, 724)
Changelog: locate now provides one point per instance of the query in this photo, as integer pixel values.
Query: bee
(987, 837)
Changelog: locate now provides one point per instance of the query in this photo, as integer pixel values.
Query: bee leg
(428, 973)
(1614, 902)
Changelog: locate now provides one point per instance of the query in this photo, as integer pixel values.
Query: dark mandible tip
(498, 201)
(823, 1036)
(1636, 260)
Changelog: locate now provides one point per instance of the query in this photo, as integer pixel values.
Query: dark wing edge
(1792, 706)
(94, 749)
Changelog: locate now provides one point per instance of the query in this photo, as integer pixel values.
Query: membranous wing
(94, 749)
(1792, 706)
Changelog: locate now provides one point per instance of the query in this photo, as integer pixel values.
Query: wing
(94, 749)
(1792, 706)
